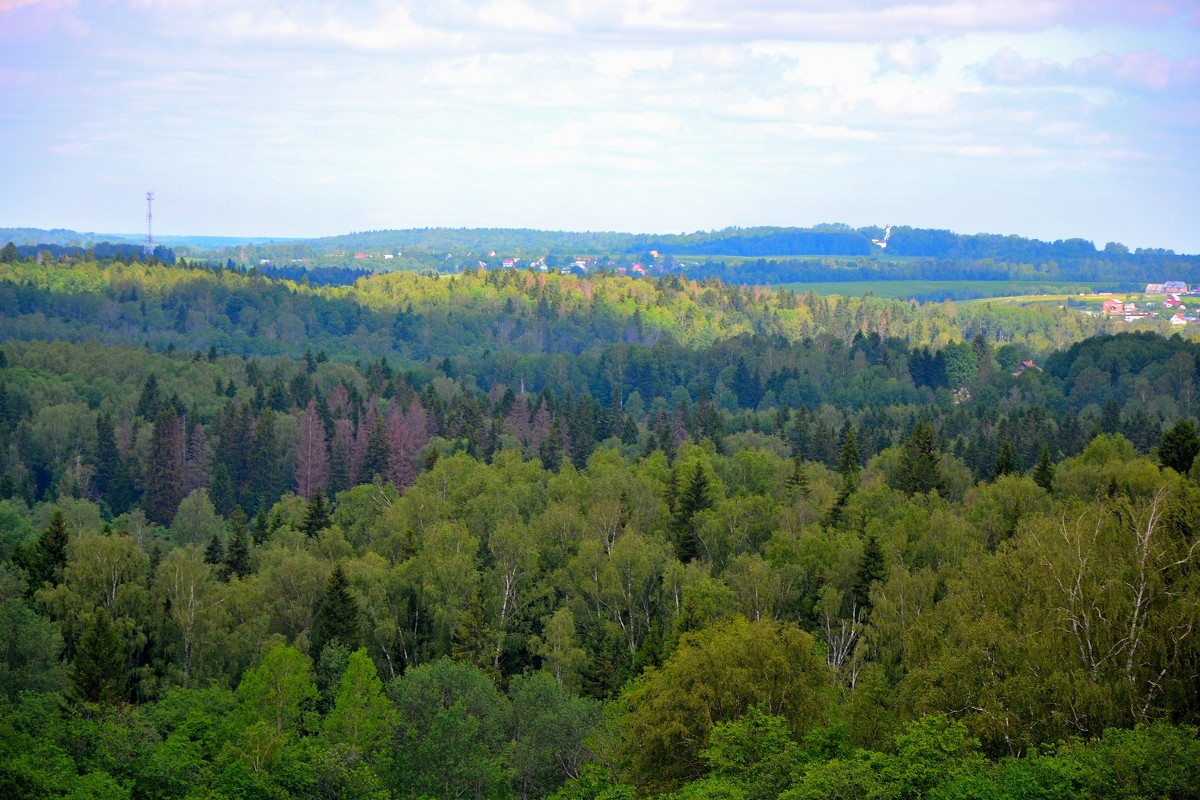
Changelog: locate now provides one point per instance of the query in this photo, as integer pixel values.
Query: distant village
(1172, 304)
(575, 266)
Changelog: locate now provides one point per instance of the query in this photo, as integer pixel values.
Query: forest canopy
(519, 534)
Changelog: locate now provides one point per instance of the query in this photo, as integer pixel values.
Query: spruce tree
(377, 458)
(150, 401)
(870, 569)
(101, 669)
(918, 471)
(1006, 459)
(797, 480)
(261, 530)
(1043, 473)
(44, 561)
(214, 553)
(108, 457)
(316, 514)
(1110, 418)
(165, 475)
(848, 466)
(694, 498)
(338, 616)
(237, 555)
(339, 469)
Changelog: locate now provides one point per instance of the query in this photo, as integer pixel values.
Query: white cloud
(513, 15)
(910, 58)
(1146, 70)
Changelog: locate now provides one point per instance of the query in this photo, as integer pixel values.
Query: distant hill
(69, 238)
(761, 255)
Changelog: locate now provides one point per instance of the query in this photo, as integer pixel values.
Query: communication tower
(149, 249)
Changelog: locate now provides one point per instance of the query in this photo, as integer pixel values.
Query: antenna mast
(149, 249)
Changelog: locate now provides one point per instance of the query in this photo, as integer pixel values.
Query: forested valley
(507, 534)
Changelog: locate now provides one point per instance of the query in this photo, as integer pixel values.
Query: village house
(1025, 365)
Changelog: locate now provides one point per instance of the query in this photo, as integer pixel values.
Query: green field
(958, 290)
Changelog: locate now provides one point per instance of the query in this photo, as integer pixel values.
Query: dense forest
(514, 534)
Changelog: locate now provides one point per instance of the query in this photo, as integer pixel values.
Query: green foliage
(362, 719)
(1179, 447)
(545, 514)
(715, 676)
(279, 691)
(451, 739)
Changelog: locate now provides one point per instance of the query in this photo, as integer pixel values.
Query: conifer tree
(1043, 473)
(150, 401)
(338, 617)
(918, 471)
(848, 466)
(214, 553)
(43, 562)
(237, 555)
(695, 497)
(339, 468)
(165, 475)
(101, 669)
(266, 481)
(377, 456)
(108, 457)
(316, 513)
(1006, 459)
(1110, 418)
(261, 530)
(870, 569)
(797, 480)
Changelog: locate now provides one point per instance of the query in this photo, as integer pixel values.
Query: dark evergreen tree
(848, 466)
(267, 480)
(797, 480)
(1110, 418)
(918, 471)
(316, 513)
(551, 449)
(694, 498)
(1006, 460)
(214, 553)
(338, 616)
(150, 401)
(339, 469)
(870, 569)
(1043, 472)
(261, 532)
(108, 457)
(165, 474)
(237, 555)
(101, 669)
(1179, 446)
(43, 561)
(377, 458)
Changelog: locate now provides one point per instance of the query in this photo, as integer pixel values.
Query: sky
(1050, 119)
